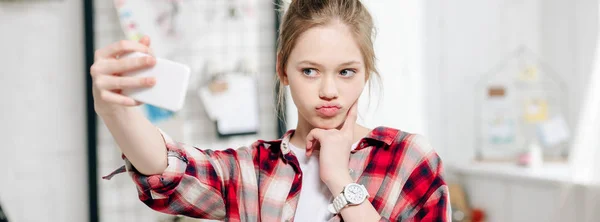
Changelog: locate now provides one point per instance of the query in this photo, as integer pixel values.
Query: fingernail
(150, 60)
(151, 81)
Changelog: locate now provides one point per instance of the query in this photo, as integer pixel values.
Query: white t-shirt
(314, 195)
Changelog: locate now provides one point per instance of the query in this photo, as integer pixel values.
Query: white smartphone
(171, 83)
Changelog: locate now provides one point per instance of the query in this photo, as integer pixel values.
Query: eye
(348, 73)
(309, 72)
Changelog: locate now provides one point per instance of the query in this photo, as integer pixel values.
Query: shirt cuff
(159, 186)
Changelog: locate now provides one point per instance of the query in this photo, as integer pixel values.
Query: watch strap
(339, 202)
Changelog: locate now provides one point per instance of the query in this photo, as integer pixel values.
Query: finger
(145, 41)
(351, 117)
(312, 139)
(315, 146)
(116, 98)
(111, 66)
(117, 82)
(121, 47)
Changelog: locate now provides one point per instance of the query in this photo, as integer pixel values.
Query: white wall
(43, 166)
(399, 50)
(467, 38)
(475, 36)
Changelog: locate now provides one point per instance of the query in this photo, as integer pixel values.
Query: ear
(283, 79)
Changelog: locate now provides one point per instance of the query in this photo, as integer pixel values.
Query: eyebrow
(319, 65)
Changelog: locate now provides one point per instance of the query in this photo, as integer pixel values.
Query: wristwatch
(353, 194)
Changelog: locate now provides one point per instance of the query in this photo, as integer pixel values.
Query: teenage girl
(328, 169)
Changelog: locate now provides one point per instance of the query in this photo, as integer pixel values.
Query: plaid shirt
(401, 172)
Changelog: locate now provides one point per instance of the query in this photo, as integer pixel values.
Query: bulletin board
(217, 29)
(521, 102)
(218, 40)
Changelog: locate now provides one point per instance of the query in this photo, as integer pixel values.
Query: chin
(322, 123)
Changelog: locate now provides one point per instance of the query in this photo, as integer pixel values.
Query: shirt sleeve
(194, 183)
(424, 194)
(427, 191)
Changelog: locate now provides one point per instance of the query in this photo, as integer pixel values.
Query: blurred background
(506, 91)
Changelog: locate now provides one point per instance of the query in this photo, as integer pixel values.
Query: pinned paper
(553, 131)
(232, 103)
(139, 18)
(500, 124)
(536, 110)
(501, 131)
(210, 103)
(529, 74)
(161, 20)
(156, 114)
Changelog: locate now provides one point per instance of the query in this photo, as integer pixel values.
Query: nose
(328, 89)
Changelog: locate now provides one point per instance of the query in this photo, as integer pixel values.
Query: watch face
(355, 194)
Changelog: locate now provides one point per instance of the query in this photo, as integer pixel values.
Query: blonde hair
(302, 15)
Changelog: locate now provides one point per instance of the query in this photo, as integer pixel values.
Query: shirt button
(285, 147)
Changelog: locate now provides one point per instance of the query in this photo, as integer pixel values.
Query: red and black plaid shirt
(401, 171)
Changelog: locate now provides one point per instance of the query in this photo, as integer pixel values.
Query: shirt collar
(379, 135)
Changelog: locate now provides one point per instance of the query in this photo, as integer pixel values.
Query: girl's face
(326, 74)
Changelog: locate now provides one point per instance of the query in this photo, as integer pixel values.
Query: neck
(303, 128)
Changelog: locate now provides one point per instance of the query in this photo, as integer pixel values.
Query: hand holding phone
(123, 69)
(171, 84)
